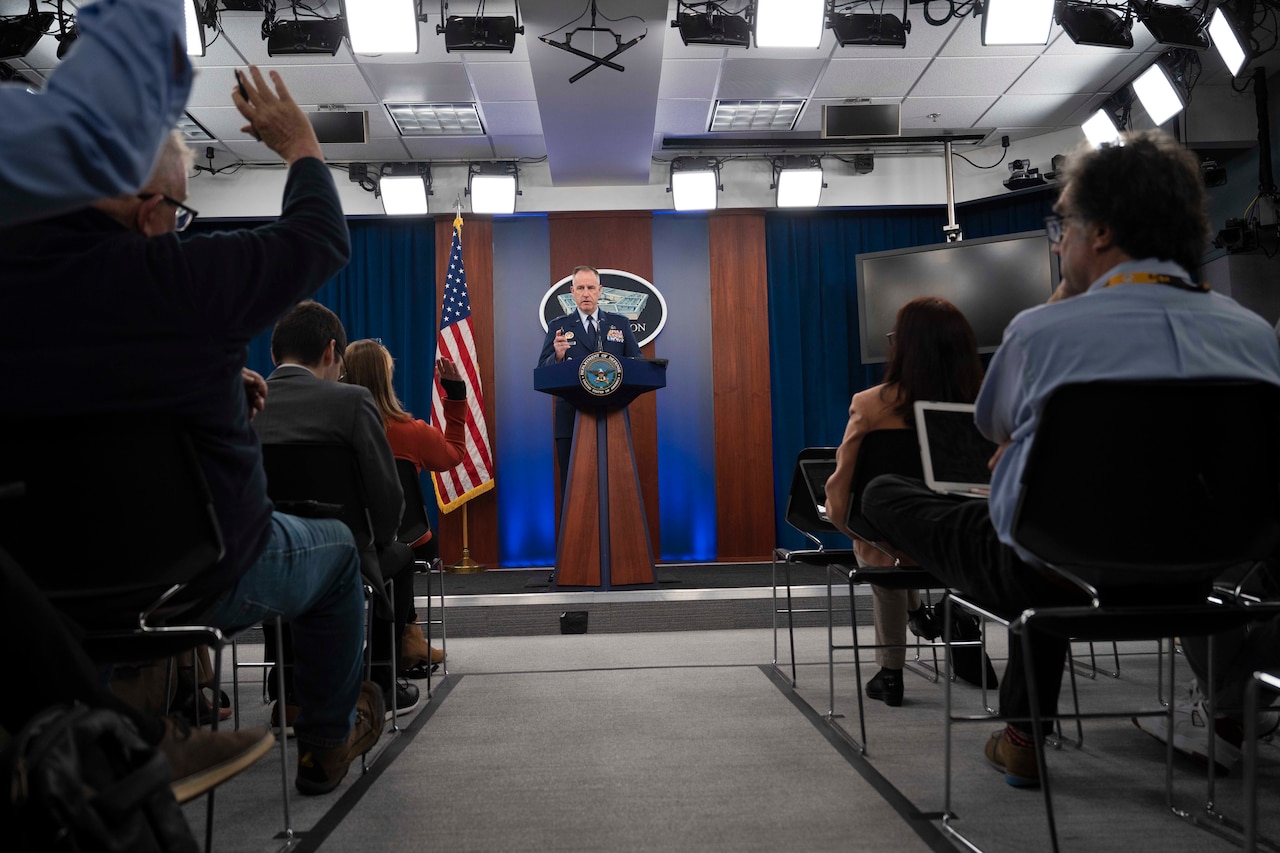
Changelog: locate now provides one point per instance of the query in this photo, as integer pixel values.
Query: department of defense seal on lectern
(600, 373)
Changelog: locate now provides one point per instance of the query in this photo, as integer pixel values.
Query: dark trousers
(396, 562)
(953, 538)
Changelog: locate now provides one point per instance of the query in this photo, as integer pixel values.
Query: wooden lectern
(604, 540)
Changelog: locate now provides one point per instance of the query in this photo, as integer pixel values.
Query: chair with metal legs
(414, 524)
(1178, 508)
(887, 451)
(1271, 681)
(136, 492)
(802, 515)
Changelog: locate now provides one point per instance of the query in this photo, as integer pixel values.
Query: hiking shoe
(1017, 763)
(407, 697)
(1191, 732)
(321, 769)
(886, 686)
(201, 759)
(290, 717)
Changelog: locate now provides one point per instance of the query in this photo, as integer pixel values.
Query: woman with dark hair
(933, 355)
(367, 362)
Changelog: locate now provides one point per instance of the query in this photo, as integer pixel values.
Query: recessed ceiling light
(436, 119)
(738, 116)
(191, 129)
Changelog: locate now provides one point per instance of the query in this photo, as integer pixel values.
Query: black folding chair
(1137, 495)
(886, 451)
(802, 515)
(131, 488)
(414, 524)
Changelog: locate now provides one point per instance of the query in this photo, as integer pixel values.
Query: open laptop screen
(953, 452)
(816, 473)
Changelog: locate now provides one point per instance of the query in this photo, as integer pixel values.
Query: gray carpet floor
(686, 740)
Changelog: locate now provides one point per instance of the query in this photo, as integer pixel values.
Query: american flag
(475, 475)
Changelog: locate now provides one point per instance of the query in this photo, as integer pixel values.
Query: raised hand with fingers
(274, 118)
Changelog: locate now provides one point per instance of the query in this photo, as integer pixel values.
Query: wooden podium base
(604, 539)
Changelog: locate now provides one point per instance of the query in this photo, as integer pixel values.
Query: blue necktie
(592, 341)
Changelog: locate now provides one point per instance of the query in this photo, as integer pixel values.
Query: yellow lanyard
(1155, 278)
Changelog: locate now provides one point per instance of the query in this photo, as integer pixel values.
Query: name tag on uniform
(615, 335)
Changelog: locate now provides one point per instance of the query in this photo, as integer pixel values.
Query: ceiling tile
(1026, 110)
(755, 79)
(959, 76)
(1069, 75)
(683, 117)
(870, 78)
(688, 78)
(942, 114)
(511, 118)
(431, 83)
(449, 148)
(502, 81)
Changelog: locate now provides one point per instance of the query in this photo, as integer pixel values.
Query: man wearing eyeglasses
(105, 309)
(103, 113)
(1129, 228)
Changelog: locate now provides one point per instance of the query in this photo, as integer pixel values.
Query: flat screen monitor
(989, 279)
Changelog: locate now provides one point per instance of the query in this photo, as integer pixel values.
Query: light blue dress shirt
(1126, 331)
(95, 129)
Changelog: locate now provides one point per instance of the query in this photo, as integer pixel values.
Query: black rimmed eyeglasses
(1055, 227)
(184, 215)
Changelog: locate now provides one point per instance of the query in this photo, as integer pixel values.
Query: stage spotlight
(404, 188)
(1094, 25)
(870, 30)
(1157, 94)
(798, 180)
(382, 26)
(1100, 130)
(493, 187)
(1176, 26)
(713, 29)
(19, 35)
(789, 23)
(306, 37)
(1226, 38)
(480, 33)
(695, 183)
(1016, 21)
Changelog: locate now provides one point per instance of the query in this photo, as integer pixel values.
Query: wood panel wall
(620, 240)
(477, 258)
(740, 365)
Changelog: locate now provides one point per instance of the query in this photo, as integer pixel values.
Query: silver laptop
(816, 473)
(954, 454)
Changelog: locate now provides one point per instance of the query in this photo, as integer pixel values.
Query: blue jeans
(309, 574)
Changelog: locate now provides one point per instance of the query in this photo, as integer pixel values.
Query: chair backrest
(301, 475)
(883, 451)
(414, 523)
(801, 513)
(113, 511)
(1153, 482)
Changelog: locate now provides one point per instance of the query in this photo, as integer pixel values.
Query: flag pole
(466, 566)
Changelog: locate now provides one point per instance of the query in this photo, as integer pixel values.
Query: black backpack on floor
(82, 779)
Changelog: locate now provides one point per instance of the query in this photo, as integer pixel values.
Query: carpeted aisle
(614, 755)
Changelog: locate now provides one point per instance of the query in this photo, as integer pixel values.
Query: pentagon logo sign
(620, 293)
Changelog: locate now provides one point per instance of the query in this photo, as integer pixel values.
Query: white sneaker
(1191, 732)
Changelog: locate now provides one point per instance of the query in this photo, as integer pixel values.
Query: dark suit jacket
(95, 318)
(304, 408)
(627, 347)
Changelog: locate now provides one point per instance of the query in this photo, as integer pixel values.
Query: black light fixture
(68, 32)
(479, 32)
(19, 35)
(320, 36)
(870, 30)
(1213, 174)
(709, 24)
(1176, 26)
(1101, 26)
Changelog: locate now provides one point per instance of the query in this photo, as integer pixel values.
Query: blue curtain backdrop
(387, 291)
(813, 312)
